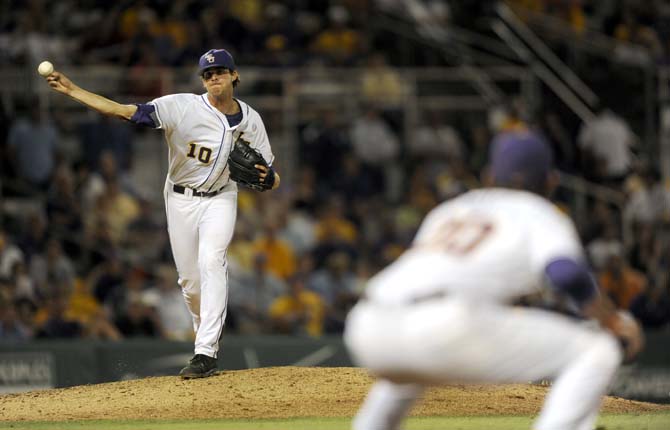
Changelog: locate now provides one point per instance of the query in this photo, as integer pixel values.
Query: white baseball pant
(200, 230)
(454, 340)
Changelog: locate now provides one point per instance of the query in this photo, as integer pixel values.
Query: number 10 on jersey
(202, 154)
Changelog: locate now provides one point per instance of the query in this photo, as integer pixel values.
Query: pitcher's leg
(182, 216)
(386, 405)
(216, 231)
(190, 289)
(575, 397)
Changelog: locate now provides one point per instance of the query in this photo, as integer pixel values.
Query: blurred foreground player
(443, 311)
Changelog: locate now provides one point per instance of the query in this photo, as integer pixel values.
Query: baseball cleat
(200, 366)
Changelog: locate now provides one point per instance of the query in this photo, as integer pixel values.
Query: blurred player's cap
(216, 58)
(520, 159)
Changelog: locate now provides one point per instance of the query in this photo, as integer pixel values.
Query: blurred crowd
(640, 22)
(153, 33)
(149, 33)
(83, 244)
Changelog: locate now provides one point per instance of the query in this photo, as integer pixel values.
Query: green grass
(657, 421)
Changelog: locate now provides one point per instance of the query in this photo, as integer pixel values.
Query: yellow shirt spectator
(301, 311)
(280, 256)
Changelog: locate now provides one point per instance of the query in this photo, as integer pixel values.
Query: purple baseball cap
(523, 157)
(216, 58)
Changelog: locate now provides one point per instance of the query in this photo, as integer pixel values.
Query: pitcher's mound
(274, 392)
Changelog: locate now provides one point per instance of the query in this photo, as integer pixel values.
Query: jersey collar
(243, 107)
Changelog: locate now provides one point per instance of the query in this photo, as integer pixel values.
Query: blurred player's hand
(60, 83)
(627, 329)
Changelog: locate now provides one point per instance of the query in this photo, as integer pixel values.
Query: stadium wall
(53, 364)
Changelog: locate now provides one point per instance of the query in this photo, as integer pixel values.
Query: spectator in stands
(339, 44)
(478, 147)
(34, 236)
(381, 85)
(52, 267)
(631, 30)
(354, 181)
(10, 254)
(299, 312)
(252, 294)
(608, 141)
(97, 243)
(377, 146)
(32, 145)
(144, 238)
(166, 297)
(139, 319)
(145, 79)
(454, 180)
(107, 278)
(660, 196)
(306, 196)
(63, 204)
(280, 258)
(644, 249)
(23, 285)
(434, 138)
(604, 246)
(334, 231)
(277, 37)
(652, 307)
(120, 210)
(56, 323)
(242, 248)
(323, 141)
(298, 229)
(25, 313)
(639, 206)
(88, 186)
(11, 327)
(623, 283)
(600, 215)
(101, 138)
(510, 116)
(336, 284)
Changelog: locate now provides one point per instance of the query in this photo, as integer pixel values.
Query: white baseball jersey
(493, 244)
(200, 139)
(439, 314)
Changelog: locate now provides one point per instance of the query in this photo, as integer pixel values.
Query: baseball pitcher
(443, 311)
(214, 141)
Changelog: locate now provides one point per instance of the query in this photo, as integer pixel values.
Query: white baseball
(45, 68)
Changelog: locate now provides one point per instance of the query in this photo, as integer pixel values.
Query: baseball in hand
(45, 68)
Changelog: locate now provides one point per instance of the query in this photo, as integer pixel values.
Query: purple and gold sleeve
(145, 115)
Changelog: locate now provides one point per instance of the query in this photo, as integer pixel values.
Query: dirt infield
(276, 392)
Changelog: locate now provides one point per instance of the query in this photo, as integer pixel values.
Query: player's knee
(606, 352)
(190, 287)
(211, 260)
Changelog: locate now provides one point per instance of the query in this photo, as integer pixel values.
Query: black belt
(182, 190)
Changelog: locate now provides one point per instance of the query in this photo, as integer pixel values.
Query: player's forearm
(102, 104)
(600, 308)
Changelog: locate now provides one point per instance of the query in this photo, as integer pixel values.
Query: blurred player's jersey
(492, 244)
(200, 139)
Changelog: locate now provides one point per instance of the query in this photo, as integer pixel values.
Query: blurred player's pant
(200, 230)
(453, 340)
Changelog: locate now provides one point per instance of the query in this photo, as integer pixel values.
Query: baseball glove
(242, 161)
